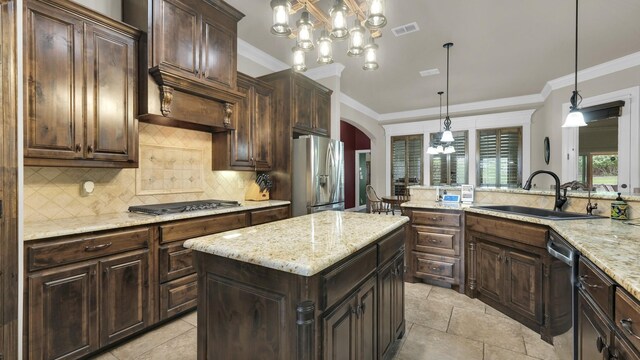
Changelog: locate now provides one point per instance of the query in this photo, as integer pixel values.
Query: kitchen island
(327, 285)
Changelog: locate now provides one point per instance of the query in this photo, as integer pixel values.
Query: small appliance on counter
(317, 175)
(185, 206)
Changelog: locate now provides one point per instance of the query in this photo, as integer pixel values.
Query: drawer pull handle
(626, 325)
(436, 219)
(434, 268)
(434, 241)
(600, 344)
(585, 284)
(96, 247)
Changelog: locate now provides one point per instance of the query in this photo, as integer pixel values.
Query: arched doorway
(356, 146)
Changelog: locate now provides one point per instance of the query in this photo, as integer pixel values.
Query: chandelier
(334, 27)
(437, 146)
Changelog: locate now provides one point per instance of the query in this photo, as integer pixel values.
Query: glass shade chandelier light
(436, 146)
(575, 117)
(334, 27)
(447, 135)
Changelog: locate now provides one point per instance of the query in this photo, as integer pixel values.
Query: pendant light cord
(448, 47)
(576, 72)
(440, 93)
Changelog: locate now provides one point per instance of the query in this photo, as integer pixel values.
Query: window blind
(451, 169)
(500, 154)
(406, 162)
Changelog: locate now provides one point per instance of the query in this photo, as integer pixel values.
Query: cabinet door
(322, 116)
(302, 105)
(398, 294)
(623, 350)
(490, 271)
(62, 321)
(53, 89)
(523, 284)
(241, 137)
(593, 333)
(176, 41)
(218, 64)
(262, 128)
(124, 300)
(339, 330)
(386, 296)
(111, 95)
(367, 319)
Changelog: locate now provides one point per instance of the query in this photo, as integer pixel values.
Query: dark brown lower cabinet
(350, 328)
(62, 317)
(594, 336)
(391, 299)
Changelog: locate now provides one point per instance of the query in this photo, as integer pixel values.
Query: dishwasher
(565, 346)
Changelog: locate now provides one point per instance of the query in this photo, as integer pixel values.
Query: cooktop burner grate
(178, 207)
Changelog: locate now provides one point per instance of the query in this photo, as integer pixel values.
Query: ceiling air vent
(405, 29)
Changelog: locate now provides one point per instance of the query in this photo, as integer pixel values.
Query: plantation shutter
(406, 162)
(500, 157)
(453, 165)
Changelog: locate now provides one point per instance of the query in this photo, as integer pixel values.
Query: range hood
(175, 100)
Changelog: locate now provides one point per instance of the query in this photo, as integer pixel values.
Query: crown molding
(260, 57)
(356, 105)
(325, 71)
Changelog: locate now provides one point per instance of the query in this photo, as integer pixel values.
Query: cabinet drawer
(343, 279)
(597, 285)
(436, 218)
(75, 249)
(627, 317)
(524, 233)
(174, 261)
(178, 296)
(269, 215)
(187, 229)
(440, 268)
(437, 240)
(389, 247)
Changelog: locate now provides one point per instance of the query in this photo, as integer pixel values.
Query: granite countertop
(303, 245)
(85, 224)
(612, 245)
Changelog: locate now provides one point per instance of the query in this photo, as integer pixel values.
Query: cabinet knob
(90, 148)
(78, 148)
(600, 345)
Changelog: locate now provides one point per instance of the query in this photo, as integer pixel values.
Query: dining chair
(376, 204)
(402, 198)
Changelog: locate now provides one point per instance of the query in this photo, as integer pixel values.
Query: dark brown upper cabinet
(249, 146)
(191, 62)
(80, 87)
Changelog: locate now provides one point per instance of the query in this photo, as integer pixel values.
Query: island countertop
(612, 245)
(303, 245)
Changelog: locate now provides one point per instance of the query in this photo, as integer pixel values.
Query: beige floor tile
(182, 347)
(153, 339)
(537, 347)
(493, 312)
(429, 313)
(487, 328)
(191, 318)
(456, 299)
(495, 353)
(429, 344)
(417, 290)
(105, 356)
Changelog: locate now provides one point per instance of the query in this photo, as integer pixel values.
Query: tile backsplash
(167, 155)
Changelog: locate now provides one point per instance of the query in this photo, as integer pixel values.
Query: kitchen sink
(535, 212)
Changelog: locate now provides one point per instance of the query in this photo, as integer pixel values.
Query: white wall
(111, 8)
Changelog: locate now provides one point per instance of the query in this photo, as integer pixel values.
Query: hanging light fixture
(447, 135)
(298, 59)
(325, 52)
(375, 15)
(370, 55)
(436, 147)
(449, 149)
(356, 39)
(338, 14)
(281, 9)
(305, 32)
(575, 117)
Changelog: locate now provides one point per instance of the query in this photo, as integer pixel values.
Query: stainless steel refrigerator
(317, 175)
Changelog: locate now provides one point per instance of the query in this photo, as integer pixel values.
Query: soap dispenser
(619, 209)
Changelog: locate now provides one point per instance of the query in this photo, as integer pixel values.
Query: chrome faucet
(560, 200)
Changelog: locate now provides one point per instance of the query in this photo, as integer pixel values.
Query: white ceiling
(503, 48)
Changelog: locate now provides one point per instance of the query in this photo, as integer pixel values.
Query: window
(451, 169)
(598, 154)
(406, 162)
(500, 157)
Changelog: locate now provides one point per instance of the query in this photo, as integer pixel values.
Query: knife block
(253, 193)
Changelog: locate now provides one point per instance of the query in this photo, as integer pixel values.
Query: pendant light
(338, 14)
(305, 32)
(375, 16)
(447, 135)
(356, 39)
(436, 147)
(575, 117)
(281, 9)
(370, 55)
(299, 63)
(325, 52)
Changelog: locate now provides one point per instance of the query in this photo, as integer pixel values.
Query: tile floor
(441, 324)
